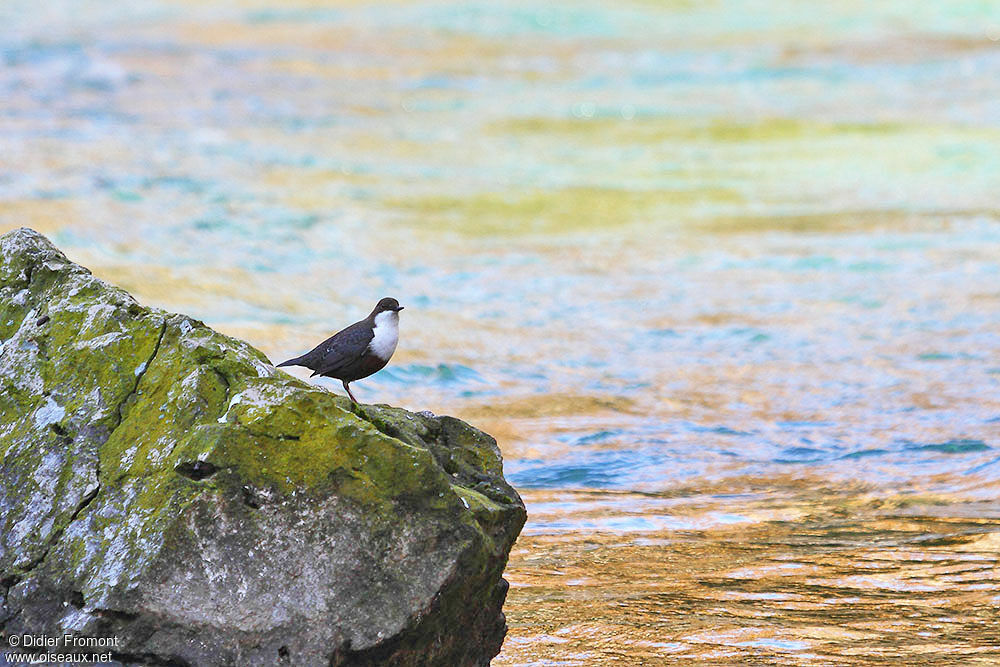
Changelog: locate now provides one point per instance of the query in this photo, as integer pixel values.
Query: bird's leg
(353, 400)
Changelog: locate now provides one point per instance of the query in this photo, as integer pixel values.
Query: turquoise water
(728, 252)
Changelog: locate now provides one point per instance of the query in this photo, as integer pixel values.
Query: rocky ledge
(164, 484)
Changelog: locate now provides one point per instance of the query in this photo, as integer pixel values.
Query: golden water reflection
(818, 578)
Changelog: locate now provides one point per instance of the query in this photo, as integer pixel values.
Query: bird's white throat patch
(386, 335)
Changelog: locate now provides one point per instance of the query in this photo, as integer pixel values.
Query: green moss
(271, 432)
(487, 512)
(476, 450)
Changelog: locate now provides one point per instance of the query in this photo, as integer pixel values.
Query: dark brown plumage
(360, 350)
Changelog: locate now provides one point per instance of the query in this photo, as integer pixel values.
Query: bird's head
(387, 304)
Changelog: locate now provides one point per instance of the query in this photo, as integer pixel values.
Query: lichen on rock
(165, 484)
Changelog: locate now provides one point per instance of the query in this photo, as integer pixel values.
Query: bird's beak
(399, 309)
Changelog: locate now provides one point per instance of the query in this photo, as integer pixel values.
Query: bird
(360, 350)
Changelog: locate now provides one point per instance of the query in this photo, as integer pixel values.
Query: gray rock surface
(164, 484)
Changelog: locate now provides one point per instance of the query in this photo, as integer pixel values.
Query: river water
(722, 278)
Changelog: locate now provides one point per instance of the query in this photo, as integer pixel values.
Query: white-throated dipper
(359, 350)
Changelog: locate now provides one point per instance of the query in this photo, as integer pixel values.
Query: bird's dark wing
(339, 350)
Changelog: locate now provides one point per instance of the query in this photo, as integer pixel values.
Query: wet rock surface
(164, 484)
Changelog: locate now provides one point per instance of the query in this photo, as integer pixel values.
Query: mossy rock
(164, 484)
